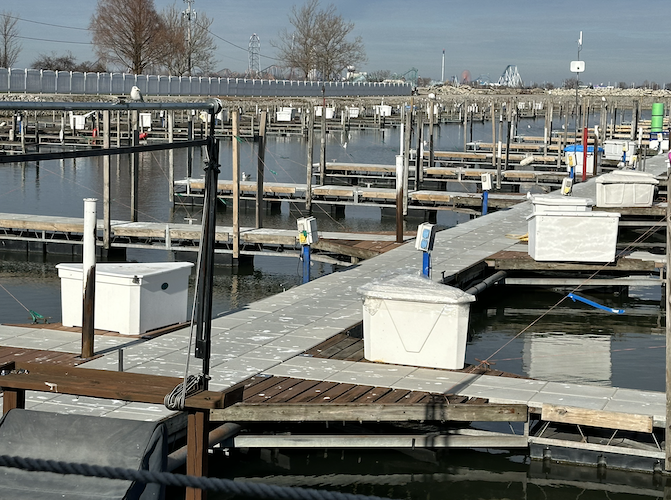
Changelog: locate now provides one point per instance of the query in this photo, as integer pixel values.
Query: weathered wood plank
(597, 418)
(354, 412)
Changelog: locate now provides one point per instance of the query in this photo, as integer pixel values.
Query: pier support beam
(260, 169)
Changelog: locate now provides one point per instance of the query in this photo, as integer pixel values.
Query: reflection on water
(430, 475)
(519, 331)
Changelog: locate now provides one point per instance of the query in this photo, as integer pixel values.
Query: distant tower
(442, 71)
(189, 15)
(254, 55)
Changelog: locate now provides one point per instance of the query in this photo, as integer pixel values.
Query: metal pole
(306, 263)
(89, 277)
(584, 154)
(399, 199)
(426, 264)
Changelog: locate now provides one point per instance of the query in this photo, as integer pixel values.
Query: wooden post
(236, 185)
(635, 113)
(498, 152)
(189, 158)
(492, 112)
(196, 448)
(465, 122)
(406, 156)
(107, 190)
(311, 142)
(171, 157)
(510, 116)
(431, 121)
(322, 154)
(13, 398)
(134, 173)
(260, 169)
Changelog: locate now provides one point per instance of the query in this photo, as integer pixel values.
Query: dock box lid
(627, 177)
(572, 213)
(128, 269)
(412, 288)
(561, 201)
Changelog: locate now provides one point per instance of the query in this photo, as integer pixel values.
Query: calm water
(574, 343)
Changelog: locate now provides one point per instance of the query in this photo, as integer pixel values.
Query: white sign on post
(577, 66)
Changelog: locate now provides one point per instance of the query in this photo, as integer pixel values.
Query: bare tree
(67, 62)
(188, 50)
(9, 40)
(129, 33)
(318, 44)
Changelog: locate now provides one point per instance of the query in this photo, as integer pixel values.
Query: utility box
(616, 149)
(573, 157)
(545, 203)
(382, 110)
(625, 188)
(573, 236)
(307, 230)
(426, 234)
(145, 120)
(410, 320)
(130, 298)
(352, 112)
(285, 114)
(330, 112)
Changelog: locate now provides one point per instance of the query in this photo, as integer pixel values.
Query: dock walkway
(269, 337)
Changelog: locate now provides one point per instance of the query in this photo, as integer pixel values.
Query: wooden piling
(260, 169)
(310, 119)
(236, 185)
(107, 192)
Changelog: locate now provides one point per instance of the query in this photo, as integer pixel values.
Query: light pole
(187, 14)
(577, 84)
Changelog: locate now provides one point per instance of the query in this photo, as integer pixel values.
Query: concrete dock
(269, 337)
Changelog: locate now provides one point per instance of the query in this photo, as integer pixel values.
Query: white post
(88, 276)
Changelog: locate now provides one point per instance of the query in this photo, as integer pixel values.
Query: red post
(584, 154)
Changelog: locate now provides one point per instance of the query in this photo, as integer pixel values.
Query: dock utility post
(307, 235)
(486, 180)
(426, 234)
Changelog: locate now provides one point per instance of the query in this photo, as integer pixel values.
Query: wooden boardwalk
(50, 230)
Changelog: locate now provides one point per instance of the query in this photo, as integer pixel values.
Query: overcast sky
(622, 40)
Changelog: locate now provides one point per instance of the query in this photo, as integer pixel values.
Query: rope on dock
(239, 488)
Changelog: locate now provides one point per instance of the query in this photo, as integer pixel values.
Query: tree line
(133, 36)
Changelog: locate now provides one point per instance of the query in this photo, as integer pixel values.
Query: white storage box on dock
(573, 157)
(573, 236)
(545, 203)
(130, 298)
(615, 149)
(410, 320)
(625, 188)
(285, 114)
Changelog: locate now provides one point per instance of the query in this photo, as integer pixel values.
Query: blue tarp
(578, 148)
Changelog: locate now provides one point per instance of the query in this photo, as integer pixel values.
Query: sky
(622, 41)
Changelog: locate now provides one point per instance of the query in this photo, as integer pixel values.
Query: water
(573, 343)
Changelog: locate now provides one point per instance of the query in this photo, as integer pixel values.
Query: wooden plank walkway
(185, 237)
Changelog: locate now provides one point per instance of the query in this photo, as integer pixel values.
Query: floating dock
(302, 348)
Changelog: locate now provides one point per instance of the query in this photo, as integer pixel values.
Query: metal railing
(35, 81)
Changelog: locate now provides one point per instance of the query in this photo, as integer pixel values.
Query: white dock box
(285, 114)
(573, 236)
(615, 149)
(131, 298)
(546, 203)
(625, 188)
(573, 157)
(410, 320)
